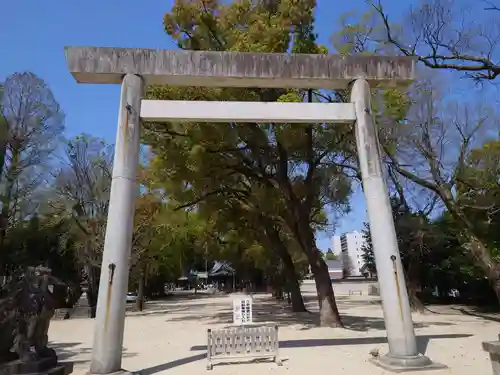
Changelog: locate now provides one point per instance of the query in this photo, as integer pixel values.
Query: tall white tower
(348, 247)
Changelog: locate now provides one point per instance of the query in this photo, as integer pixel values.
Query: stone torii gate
(135, 68)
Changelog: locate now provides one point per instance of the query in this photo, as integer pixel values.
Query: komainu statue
(25, 313)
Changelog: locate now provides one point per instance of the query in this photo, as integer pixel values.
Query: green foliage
(252, 171)
(431, 253)
(283, 175)
(367, 254)
(37, 242)
(31, 124)
(426, 143)
(478, 191)
(329, 255)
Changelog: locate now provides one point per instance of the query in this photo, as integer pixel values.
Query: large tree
(428, 137)
(433, 149)
(31, 126)
(413, 236)
(291, 163)
(80, 201)
(144, 258)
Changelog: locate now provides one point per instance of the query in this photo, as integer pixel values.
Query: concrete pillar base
(399, 364)
(493, 348)
(120, 372)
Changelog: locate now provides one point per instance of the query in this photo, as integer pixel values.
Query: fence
(240, 343)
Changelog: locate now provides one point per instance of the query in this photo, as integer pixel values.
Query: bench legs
(277, 358)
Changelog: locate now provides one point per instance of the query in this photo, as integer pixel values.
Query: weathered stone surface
(492, 347)
(235, 69)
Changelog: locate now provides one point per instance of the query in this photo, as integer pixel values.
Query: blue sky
(33, 34)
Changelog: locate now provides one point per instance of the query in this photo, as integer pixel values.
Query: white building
(348, 247)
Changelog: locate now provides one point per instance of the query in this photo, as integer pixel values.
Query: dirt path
(171, 335)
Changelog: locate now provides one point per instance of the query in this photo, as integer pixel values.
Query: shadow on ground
(358, 300)
(175, 303)
(269, 310)
(480, 314)
(67, 351)
(422, 343)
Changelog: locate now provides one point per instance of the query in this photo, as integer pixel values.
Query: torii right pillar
(403, 354)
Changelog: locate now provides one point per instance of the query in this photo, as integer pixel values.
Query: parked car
(132, 297)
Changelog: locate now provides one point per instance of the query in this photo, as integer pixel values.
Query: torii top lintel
(236, 69)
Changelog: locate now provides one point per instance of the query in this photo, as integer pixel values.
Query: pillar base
(121, 372)
(406, 363)
(493, 348)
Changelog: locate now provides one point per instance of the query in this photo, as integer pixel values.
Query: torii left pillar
(113, 285)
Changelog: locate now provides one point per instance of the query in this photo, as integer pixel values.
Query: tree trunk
(328, 311)
(413, 289)
(474, 244)
(292, 280)
(489, 265)
(293, 288)
(295, 294)
(300, 225)
(412, 278)
(92, 301)
(10, 179)
(92, 289)
(279, 293)
(496, 288)
(140, 290)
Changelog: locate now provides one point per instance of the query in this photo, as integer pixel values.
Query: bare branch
(445, 37)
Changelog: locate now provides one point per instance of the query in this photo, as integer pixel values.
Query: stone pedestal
(398, 364)
(42, 366)
(119, 372)
(493, 348)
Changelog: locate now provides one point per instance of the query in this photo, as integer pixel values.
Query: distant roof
(334, 264)
(221, 268)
